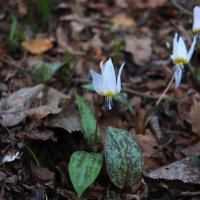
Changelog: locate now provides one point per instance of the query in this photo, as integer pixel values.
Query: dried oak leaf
(195, 116)
(53, 98)
(122, 21)
(37, 46)
(180, 170)
(148, 3)
(68, 119)
(37, 135)
(44, 176)
(21, 103)
(12, 108)
(140, 48)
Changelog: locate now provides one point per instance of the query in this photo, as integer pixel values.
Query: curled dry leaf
(148, 3)
(37, 135)
(195, 116)
(44, 176)
(140, 48)
(37, 46)
(122, 21)
(12, 108)
(68, 119)
(21, 103)
(180, 170)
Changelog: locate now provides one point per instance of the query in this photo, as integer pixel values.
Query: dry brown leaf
(193, 149)
(148, 3)
(149, 147)
(180, 170)
(122, 21)
(140, 48)
(195, 116)
(37, 135)
(37, 46)
(44, 176)
(12, 108)
(19, 104)
(68, 119)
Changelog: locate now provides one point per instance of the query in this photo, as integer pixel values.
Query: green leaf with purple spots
(83, 169)
(124, 160)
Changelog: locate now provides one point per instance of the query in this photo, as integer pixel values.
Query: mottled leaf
(44, 71)
(83, 169)
(88, 121)
(124, 161)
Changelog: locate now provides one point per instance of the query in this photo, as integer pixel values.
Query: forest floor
(40, 124)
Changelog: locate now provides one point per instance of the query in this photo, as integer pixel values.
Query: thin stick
(165, 91)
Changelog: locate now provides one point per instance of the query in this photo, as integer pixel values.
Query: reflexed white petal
(119, 78)
(96, 81)
(109, 77)
(175, 45)
(102, 66)
(196, 18)
(182, 51)
(191, 48)
(178, 75)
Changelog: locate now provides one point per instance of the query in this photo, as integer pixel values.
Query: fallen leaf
(27, 102)
(37, 46)
(149, 146)
(122, 21)
(44, 176)
(193, 149)
(37, 135)
(68, 119)
(180, 170)
(140, 48)
(42, 111)
(195, 116)
(14, 106)
(148, 3)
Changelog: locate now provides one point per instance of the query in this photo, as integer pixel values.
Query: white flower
(180, 56)
(106, 84)
(196, 19)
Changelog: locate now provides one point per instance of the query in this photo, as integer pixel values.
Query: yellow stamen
(109, 93)
(180, 60)
(196, 30)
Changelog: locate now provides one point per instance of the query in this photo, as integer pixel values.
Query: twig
(165, 91)
(143, 94)
(181, 8)
(14, 64)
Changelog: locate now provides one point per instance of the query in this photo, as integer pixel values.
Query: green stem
(33, 155)
(192, 70)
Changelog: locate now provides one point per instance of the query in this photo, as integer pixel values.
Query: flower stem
(97, 118)
(33, 155)
(165, 91)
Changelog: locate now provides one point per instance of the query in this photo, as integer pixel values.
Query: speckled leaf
(88, 121)
(83, 169)
(124, 161)
(44, 71)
